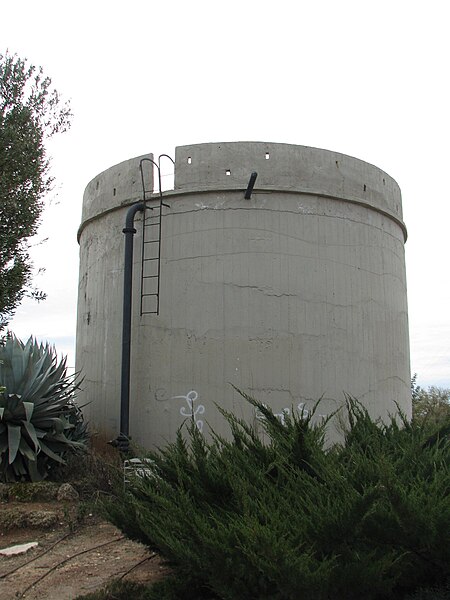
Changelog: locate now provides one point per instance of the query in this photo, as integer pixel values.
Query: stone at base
(67, 492)
(18, 549)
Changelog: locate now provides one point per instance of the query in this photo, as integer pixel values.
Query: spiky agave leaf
(39, 420)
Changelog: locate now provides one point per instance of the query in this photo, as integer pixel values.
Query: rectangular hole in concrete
(189, 160)
(228, 172)
(267, 156)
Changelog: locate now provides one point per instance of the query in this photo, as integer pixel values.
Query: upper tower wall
(290, 168)
(119, 185)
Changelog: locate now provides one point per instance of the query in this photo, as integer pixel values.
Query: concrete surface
(296, 294)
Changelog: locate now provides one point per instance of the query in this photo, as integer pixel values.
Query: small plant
(39, 420)
(169, 588)
(119, 590)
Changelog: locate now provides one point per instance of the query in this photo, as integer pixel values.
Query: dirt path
(67, 564)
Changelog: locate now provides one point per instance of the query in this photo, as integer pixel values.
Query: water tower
(290, 286)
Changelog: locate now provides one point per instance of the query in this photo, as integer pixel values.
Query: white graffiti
(192, 411)
(304, 412)
(286, 412)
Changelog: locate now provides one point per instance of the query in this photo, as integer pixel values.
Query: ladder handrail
(158, 223)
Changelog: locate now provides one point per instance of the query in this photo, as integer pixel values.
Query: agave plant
(39, 420)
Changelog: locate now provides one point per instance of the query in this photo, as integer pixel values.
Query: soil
(68, 562)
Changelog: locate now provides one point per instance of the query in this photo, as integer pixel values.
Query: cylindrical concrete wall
(296, 294)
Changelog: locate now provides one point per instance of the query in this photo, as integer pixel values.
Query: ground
(74, 556)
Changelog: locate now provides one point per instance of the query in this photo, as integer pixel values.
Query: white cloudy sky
(366, 78)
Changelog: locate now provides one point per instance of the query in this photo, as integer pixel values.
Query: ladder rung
(151, 249)
(150, 271)
(149, 286)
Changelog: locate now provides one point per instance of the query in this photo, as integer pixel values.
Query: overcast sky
(368, 79)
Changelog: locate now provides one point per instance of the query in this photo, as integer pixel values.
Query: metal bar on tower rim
(251, 183)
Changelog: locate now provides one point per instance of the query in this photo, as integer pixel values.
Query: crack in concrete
(285, 254)
(265, 291)
(293, 212)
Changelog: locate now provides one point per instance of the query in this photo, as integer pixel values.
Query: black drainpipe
(122, 441)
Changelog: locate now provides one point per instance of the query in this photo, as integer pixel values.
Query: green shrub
(39, 420)
(441, 592)
(118, 590)
(289, 519)
(170, 588)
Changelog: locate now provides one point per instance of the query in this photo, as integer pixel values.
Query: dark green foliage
(290, 519)
(171, 588)
(39, 420)
(441, 592)
(174, 587)
(119, 590)
(30, 112)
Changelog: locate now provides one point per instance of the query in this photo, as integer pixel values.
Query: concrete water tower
(294, 293)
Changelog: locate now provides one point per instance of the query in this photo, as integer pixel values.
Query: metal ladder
(151, 243)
